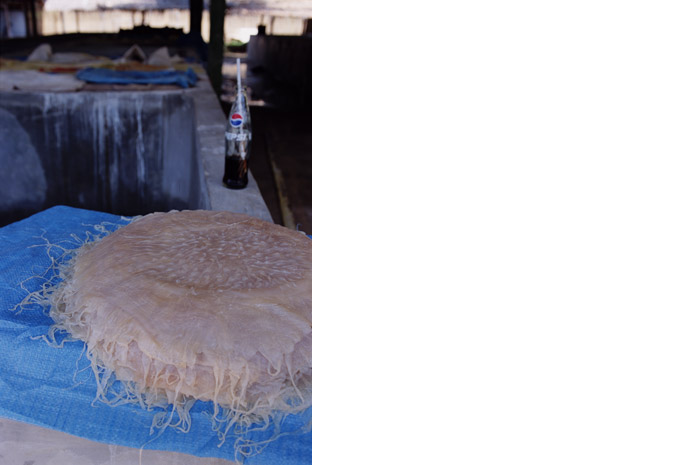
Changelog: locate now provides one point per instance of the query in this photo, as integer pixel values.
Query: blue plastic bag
(54, 387)
(183, 79)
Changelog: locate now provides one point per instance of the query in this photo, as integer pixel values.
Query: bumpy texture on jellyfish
(196, 305)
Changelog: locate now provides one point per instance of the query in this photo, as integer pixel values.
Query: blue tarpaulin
(184, 79)
(54, 388)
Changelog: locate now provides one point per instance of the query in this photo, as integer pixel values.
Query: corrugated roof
(296, 8)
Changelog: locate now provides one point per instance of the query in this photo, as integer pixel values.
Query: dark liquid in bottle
(235, 176)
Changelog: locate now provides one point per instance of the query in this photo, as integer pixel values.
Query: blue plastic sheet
(184, 79)
(54, 388)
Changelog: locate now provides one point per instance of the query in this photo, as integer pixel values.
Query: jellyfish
(195, 305)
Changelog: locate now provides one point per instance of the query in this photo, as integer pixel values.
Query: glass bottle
(238, 135)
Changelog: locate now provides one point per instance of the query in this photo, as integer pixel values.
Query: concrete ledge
(210, 134)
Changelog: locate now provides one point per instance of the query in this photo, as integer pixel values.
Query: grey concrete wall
(127, 153)
(22, 178)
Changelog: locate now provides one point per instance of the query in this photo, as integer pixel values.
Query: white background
(505, 232)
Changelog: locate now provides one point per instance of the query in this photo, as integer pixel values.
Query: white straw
(239, 91)
(240, 109)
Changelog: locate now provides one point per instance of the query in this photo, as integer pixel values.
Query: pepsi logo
(236, 120)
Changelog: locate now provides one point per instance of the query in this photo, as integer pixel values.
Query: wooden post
(196, 8)
(215, 44)
(32, 12)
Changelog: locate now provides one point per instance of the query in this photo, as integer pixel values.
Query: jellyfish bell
(196, 305)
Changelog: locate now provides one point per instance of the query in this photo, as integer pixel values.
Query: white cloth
(29, 80)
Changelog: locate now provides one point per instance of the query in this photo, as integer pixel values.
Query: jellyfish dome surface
(196, 305)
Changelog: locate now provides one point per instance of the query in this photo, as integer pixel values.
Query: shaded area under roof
(295, 8)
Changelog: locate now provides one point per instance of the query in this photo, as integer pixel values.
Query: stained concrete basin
(127, 153)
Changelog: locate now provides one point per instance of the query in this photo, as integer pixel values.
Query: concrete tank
(126, 153)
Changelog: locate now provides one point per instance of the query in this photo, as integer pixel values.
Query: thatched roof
(296, 8)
